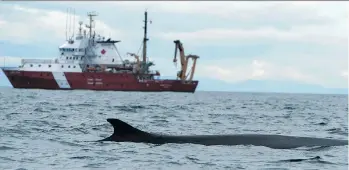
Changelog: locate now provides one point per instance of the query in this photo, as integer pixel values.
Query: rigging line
(140, 48)
(66, 26)
(117, 51)
(74, 24)
(69, 22)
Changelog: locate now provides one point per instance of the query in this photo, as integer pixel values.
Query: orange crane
(184, 62)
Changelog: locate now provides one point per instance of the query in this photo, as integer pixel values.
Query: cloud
(21, 24)
(324, 35)
(241, 10)
(306, 22)
(302, 41)
(344, 74)
(255, 70)
(259, 69)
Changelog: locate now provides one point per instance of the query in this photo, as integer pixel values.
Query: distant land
(267, 86)
(206, 84)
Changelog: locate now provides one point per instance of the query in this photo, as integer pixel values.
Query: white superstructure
(85, 50)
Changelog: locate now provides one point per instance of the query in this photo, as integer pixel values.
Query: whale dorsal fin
(122, 130)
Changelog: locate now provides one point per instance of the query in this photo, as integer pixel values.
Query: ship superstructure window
(49, 65)
(113, 60)
(70, 57)
(68, 66)
(71, 49)
(31, 65)
(74, 66)
(62, 66)
(67, 58)
(39, 65)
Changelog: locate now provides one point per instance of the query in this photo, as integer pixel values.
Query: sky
(305, 42)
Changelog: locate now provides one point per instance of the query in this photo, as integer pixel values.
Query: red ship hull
(94, 81)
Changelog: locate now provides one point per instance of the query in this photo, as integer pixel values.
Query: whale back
(125, 132)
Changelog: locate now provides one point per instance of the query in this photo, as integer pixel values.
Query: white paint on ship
(61, 80)
(47, 66)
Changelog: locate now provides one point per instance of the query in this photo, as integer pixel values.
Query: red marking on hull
(31, 79)
(97, 81)
(125, 82)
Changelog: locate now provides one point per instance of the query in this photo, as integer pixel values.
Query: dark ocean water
(43, 129)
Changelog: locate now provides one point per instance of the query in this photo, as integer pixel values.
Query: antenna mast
(66, 26)
(145, 39)
(70, 10)
(91, 15)
(74, 23)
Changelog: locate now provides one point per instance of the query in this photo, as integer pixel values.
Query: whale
(124, 132)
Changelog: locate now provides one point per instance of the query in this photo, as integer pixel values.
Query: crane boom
(184, 61)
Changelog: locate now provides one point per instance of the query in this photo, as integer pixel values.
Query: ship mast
(90, 14)
(145, 39)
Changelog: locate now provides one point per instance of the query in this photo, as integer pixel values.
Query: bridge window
(49, 65)
(113, 60)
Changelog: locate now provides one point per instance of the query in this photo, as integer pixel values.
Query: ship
(88, 61)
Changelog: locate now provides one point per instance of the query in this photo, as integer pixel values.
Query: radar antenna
(91, 15)
(80, 28)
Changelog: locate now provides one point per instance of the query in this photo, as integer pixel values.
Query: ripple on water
(58, 129)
